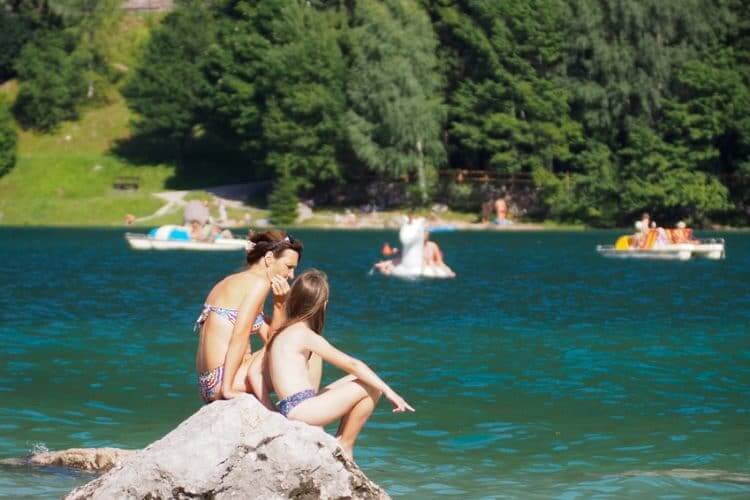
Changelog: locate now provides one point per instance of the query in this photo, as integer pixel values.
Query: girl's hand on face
(280, 288)
(399, 403)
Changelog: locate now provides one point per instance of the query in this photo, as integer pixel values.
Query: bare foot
(348, 451)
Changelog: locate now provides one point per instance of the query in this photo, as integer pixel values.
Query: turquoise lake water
(542, 371)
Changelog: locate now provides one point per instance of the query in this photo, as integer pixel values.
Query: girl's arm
(343, 361)
(238, 344)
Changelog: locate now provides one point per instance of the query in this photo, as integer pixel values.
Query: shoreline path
(231, 194)
(234, 196)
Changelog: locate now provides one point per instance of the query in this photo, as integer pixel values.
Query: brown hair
(306, 302)
(274, 241)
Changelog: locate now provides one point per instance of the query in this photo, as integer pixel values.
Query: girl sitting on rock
(285, 369)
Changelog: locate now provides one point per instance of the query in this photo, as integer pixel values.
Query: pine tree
(283, 200)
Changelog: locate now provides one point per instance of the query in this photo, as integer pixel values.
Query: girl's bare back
(288, 360)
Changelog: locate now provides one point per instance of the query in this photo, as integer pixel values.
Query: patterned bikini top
(229, 314)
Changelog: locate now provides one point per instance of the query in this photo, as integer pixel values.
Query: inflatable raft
(410, 264)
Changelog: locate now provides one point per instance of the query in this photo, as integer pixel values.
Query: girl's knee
(373, 392)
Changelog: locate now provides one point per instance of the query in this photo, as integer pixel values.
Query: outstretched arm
(238, 344)
(353, 366)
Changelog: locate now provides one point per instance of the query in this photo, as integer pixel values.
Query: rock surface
(89, 459)
(86, 459)
(236, 449)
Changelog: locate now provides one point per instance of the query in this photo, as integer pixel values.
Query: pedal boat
(712, 249)
(178, 238)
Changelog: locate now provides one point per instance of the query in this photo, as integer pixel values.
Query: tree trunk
(420, 173)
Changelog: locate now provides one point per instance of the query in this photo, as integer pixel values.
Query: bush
(7, 140)
(461, 197)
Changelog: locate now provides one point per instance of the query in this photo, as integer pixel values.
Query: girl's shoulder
(296, 332)
(298, 328)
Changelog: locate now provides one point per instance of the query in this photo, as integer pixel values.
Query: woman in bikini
(285, 368)
(234, 310)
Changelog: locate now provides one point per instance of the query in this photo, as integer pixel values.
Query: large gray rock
(236, 449)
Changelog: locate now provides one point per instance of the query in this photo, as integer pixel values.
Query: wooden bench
(126, 183)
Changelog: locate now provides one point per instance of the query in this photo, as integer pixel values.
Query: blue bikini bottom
(286, 405)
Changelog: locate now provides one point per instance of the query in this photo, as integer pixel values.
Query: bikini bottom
(286, 405)
(209, 383)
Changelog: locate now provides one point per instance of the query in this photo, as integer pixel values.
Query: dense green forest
(577, 110)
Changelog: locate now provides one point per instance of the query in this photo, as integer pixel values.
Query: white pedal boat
(707, 249)
(178, 238)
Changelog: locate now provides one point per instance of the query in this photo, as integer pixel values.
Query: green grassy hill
(66, 178)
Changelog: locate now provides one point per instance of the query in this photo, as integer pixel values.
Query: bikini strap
(201, 318)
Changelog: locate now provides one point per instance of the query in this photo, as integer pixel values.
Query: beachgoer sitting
(681, 234)
(348, 219)
(285, 368)
(200, 232)
(233, 311)
(386, 266)
(433, 256)
(217, 232)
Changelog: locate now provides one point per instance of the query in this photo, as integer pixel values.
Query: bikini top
(229, 314)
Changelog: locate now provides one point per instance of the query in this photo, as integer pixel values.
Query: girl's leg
(353, 422)
(241, 382)
(257, 380)
(341, 381)
(351, 399)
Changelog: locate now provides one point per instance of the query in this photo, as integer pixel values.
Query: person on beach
(501, 212)
(285, 368)
(233, 311)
